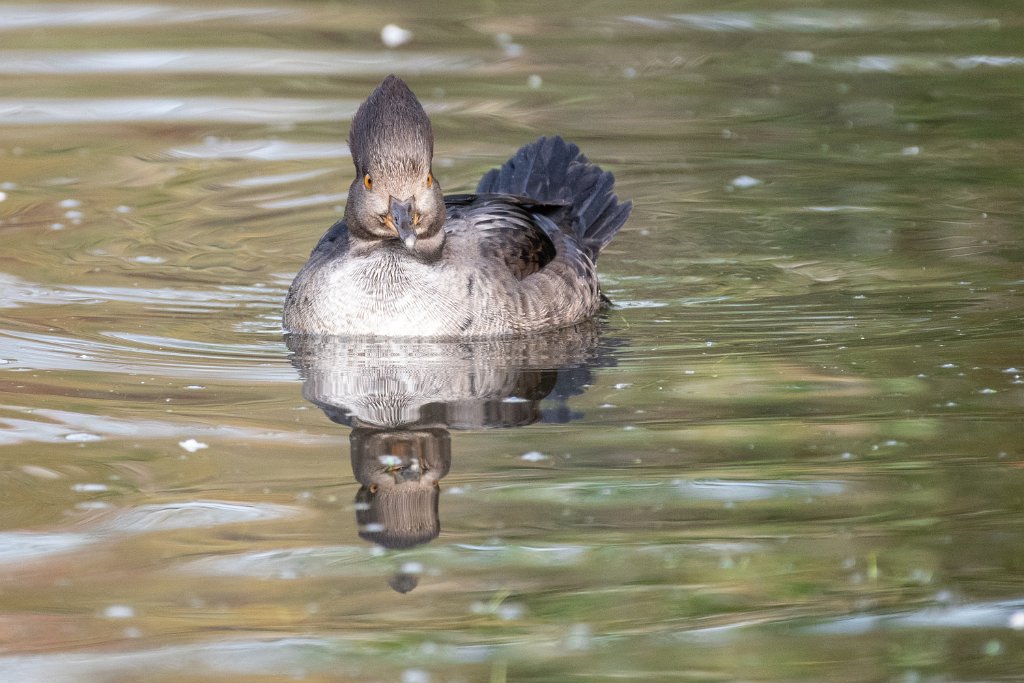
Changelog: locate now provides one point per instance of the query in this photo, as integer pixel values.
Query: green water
(792, 451)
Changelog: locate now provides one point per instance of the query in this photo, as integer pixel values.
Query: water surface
(791, 451)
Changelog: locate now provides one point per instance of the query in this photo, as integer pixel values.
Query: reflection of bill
(401, 398)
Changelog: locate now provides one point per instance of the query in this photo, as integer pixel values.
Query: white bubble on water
(119, 612)
(90, 488)
(191, 445)
(745, 181)
(393, 35)
(82, 437)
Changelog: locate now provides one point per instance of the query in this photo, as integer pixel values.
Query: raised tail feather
(553, 170)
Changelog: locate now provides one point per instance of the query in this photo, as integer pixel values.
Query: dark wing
(553, 170)
(334, 241)
(511, 230)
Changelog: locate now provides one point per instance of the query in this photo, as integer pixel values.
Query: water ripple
(675, 491)
(250, 110)
(347, 560)
(289, 657)
(21, 546)
(811, 21)
(974, 615)
(41, 15)
(262, 62)
(262, 150)
(924, 63)
(18, 293)
(43, 425)
(49, 111)
(169, 358)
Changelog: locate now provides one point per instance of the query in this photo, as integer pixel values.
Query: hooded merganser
(405, 261)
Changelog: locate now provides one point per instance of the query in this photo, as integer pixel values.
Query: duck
(516, 257)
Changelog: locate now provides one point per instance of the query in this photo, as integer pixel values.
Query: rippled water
(792, 451)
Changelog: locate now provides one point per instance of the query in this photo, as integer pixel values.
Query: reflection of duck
(460, 385)
(516, 258)
(401, 398)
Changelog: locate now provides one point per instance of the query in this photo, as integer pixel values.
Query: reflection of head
(398, 518)
(396, 506)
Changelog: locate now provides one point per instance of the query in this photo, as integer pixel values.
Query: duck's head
(394, 195)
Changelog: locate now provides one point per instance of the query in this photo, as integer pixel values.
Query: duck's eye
(367, 182)
(430, 179)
